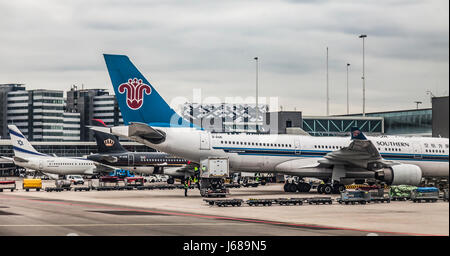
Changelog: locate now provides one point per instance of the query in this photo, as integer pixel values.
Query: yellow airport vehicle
(32, 183)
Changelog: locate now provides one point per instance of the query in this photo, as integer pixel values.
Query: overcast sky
(210, 45)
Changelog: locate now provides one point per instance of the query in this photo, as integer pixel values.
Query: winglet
(357, 134)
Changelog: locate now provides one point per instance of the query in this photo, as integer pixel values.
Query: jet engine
(402, 174)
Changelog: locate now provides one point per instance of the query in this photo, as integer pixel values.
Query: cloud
(211, 45)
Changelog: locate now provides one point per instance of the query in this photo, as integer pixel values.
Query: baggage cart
(134, 181)
(428, 194)
(258, 202)
(7, 185)
(378, 195)
(319, 200)
(354, 197)
(32, 184)
(289, 201)
(224, 202)
(401, 192)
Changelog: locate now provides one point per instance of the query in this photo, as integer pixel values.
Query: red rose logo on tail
(135, 92)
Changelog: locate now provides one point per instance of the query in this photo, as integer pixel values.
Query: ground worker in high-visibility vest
(186, 186)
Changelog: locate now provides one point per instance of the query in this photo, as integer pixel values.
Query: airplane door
(41, 165)
(297, 146)
(130, 160)
(204, 141)
(417, 150)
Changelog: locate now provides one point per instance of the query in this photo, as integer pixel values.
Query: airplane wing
(16, 159)
(360, 153)
(20, 159)
(109, 158)
(99, 167)
(138, 132)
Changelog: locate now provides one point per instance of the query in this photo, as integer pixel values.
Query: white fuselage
(59, 165)
(263, 153)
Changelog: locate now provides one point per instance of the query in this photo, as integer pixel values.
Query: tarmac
(168, 212)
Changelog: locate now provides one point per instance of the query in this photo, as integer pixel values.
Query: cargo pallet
(7, 182)
(319, 200)
(224, 202)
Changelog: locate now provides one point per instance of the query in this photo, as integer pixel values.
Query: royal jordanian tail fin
(357, 134)
(138, 100)
(21, 146)
(106, 143)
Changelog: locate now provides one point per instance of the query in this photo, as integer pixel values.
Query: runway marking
(125, 224)
(91, 205)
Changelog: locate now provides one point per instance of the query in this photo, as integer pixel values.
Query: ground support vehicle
(445, 197)
(258, 202)
(289, 201)
(319, 200)
(213, 172)
(401, 192)
(32, 184)
(354, 197)
(428, 194)
(7, 184)
(224, 202)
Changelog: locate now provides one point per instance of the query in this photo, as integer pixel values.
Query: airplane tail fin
(21, 146)
(106, 143)
(357, 134)
(138, 100)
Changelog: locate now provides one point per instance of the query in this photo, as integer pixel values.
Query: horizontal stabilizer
(146, 132)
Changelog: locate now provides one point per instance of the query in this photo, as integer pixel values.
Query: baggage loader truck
(213, 172)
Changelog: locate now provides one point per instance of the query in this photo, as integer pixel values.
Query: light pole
(257, 109)
(417, 104)
(328, 97)
(348, 64)
(364, 78)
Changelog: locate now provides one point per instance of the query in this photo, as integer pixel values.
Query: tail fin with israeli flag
(21, 146)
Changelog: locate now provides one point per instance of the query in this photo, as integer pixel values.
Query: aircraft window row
(70, 163)
(256, 144)
(328, 147)
(434, 151)
(391, 149)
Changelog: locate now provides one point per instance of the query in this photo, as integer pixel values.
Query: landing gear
(338, 188)
(170, 180)
(330, 189)
(327, 189)
(303, 187)
(294, 187)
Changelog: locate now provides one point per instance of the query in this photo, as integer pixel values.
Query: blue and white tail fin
(138, 100)
(21, 146)
(357, 134)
